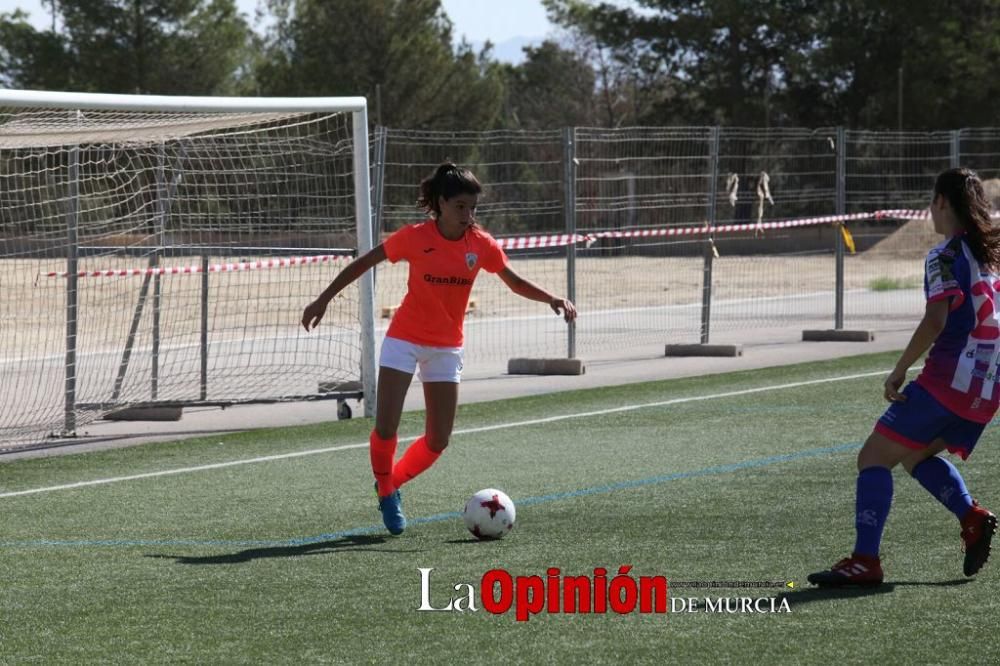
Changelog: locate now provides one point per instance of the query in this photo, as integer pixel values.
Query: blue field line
(439, 517)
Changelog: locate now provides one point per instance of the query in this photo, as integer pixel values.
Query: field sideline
(266, 547)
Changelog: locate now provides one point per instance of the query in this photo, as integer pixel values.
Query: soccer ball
(489, 514)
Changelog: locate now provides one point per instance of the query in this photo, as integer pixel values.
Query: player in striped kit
(445, 254)
(956, 394)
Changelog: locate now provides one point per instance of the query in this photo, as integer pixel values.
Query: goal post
(175, 241)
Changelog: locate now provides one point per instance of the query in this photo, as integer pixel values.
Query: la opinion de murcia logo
(499, 592)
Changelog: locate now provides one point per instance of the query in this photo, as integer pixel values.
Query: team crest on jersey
(470, 259)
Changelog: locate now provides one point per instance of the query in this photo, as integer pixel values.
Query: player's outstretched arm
(314, 312)
(532, 291)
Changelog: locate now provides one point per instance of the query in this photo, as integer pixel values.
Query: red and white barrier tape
(527, 242)
(212, 268)
(531, 242)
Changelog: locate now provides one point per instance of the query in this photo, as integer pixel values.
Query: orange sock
(382, 452)
(417, 458)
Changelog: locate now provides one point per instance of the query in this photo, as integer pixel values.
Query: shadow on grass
(343, 544)
(810, 594)
(955, 582)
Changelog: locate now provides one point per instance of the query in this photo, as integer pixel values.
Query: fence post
(713, 191)
(378, 181)
(841, 209)
(203, 392)
(568, 364)
(956, 149)
(569, 211)
(837, 333)
(72, 300)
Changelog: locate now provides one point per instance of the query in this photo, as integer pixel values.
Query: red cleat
(978, 527)
(854, 571)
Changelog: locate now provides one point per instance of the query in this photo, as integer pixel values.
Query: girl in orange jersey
(445, 253)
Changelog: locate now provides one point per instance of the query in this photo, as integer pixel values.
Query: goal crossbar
(178, 103)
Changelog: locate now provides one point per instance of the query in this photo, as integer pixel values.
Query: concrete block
(834, 335)
(703, 350)
(145, 414)
(545, 366)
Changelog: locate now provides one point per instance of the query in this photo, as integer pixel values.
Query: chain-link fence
(687, 234)
(660, 235)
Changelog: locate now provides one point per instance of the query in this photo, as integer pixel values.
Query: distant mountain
(510, 50)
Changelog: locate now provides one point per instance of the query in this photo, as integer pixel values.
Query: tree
(800, 62)
(713, 61)
(131, 46)
(161, 46)
(552, 88)
(397, 53)
(29, 58)
(632, 80)
(949, 54)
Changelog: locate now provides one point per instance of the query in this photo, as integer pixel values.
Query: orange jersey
(441, 275)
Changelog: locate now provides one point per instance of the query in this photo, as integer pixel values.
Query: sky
(516, 21)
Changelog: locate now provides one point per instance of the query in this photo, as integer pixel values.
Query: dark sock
(944, 481)
(872, 503)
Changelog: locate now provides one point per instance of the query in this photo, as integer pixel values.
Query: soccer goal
(158, 251)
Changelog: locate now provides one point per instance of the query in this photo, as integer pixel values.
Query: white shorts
(437, 364)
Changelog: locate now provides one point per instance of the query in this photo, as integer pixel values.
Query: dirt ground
(258, 312)
(269, 302)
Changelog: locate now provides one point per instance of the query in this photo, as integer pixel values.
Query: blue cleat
(391, 507)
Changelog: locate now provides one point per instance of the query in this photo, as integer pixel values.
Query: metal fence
(629, 192)
(660, 235)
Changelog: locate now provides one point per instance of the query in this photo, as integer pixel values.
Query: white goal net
(158, 251)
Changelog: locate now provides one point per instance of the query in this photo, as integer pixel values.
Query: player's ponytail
(964, 191)
(447, 181)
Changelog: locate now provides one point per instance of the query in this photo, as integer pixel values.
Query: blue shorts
(920, 420)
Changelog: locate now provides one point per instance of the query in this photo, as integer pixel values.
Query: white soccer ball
(489, 514)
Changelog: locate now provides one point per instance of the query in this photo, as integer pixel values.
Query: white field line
(501, 426)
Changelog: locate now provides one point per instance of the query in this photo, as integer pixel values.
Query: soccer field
(267, 547)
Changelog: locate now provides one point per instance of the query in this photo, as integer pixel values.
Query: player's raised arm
(314, 312)
(531, 291)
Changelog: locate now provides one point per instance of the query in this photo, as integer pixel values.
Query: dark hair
(447, 181)
(963, 189)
